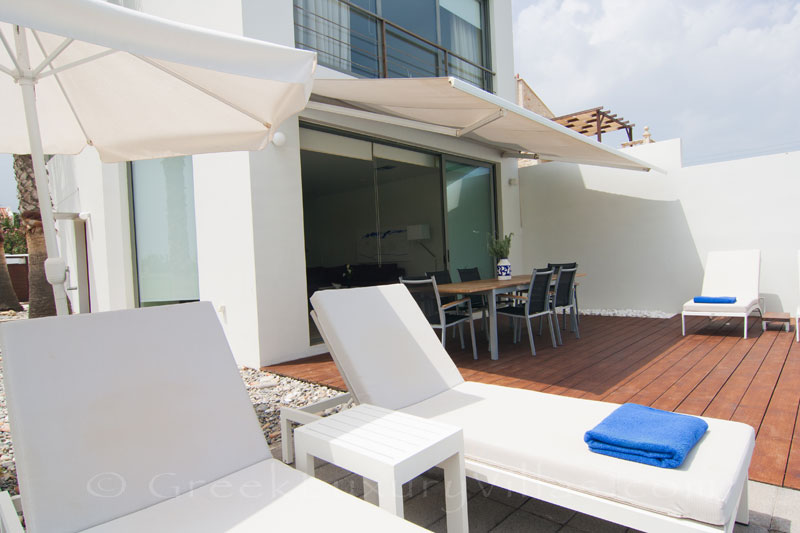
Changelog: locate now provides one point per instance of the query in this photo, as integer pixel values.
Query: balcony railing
(351, 39)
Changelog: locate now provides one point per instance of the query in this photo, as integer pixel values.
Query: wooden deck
(712, 371)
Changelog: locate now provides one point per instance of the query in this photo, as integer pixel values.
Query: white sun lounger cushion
(730, 273)
(106, 396)
(267, 496)
(391, 370)
(541, 435)
(741, 306)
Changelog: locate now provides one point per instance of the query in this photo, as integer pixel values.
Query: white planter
(504, 269)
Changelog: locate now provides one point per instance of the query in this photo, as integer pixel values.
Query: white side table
(388, 448)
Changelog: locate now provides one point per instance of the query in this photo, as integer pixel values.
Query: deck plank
(712, 371)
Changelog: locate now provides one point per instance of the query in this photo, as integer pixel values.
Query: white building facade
(343, 201)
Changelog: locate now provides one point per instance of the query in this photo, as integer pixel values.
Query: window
(162, 197)
(397, 38)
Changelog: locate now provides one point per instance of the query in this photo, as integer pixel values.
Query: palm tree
(41, 300)
(8, 298)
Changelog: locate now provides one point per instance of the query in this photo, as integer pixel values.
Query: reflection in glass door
(164, 231)
(470, 216)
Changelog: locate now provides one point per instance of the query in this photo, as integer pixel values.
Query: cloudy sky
(723, 75)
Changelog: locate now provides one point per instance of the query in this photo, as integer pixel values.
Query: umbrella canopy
(133, 86)
(136, 86)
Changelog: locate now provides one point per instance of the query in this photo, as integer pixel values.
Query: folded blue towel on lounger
(646, 435)
(715, 299)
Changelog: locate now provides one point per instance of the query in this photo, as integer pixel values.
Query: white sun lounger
(729, 273)
(526, 441)
(138, 420)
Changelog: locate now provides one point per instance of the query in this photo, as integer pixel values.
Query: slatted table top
(379, 434)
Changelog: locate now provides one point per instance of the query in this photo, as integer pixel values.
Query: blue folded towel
(715, 299)
(646, 435)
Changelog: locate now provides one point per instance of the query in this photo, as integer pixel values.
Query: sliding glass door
(373, 212)
(470, 215)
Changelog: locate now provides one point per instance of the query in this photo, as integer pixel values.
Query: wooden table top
(485, 285)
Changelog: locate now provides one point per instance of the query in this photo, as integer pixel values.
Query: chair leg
(683, 325)
(513, 331)
(558, 328)
(745, 327)
(575, 295)
(528, 322)
(574, 316)
(552, 333)
(472, 336)
(461, 333)
(444, 336)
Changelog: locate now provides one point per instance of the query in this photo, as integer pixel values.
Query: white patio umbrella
(133, 86)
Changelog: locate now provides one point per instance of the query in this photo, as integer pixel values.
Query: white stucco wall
(642, 238)
(505, 86)
(83, 184)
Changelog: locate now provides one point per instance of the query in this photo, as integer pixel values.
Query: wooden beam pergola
(595, 122)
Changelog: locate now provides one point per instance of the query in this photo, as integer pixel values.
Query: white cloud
(720, 74)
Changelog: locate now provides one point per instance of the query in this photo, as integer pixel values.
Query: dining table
(491, 288)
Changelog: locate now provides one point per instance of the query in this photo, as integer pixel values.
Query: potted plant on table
(500, 249)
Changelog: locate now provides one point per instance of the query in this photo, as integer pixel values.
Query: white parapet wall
(642, 238)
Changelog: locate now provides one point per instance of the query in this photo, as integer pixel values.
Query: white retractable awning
(453, 107)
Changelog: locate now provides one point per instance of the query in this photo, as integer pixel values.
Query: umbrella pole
(55, 266)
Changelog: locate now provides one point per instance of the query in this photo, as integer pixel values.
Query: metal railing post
(384, 59)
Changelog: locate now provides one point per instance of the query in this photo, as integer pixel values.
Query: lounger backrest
(113, 412)
(733, 273)
(383, 345)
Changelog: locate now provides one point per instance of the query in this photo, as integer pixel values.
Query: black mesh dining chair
(564, 298)
(442, 315)
(536, 303)
(555, 266)
(478, 301)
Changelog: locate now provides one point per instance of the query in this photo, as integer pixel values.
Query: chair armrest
(455, 303)
(9, 519)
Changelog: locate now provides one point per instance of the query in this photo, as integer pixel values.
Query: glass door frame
(445, 158)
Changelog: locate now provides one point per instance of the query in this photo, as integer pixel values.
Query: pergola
(595, 121)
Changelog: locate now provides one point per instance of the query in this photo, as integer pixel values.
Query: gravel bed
(636, 313)
(267, 391)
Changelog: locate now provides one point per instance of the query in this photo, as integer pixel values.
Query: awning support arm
(500, 113)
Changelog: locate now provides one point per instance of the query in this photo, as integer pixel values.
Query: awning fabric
(453, 107)
(136, 86)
